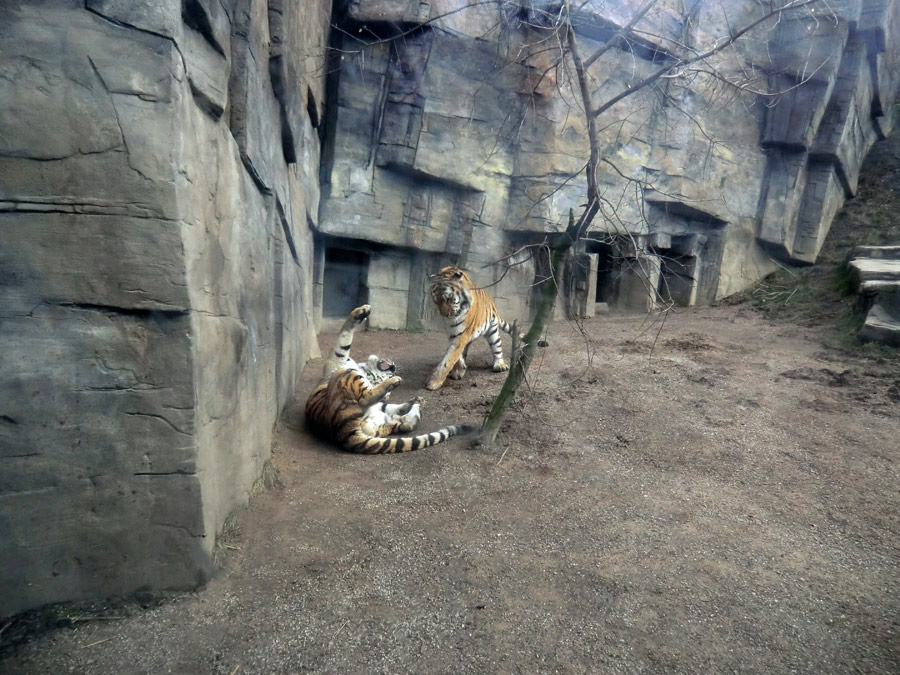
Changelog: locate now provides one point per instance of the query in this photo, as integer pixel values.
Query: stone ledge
(878, 252)
(872, 269)
(877, 268)
(881, 326)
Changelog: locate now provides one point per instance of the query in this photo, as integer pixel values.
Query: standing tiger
(349, 406)
(472, 314)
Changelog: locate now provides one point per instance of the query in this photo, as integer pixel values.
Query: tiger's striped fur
(349, 406)
(472, 314)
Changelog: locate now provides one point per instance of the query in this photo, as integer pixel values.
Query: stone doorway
(606, 286)
(344, 281)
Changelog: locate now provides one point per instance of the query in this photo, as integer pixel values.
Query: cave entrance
(606, 288)
(344, 281)
(677, 283)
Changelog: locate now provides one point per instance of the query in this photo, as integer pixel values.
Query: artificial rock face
(159, 196)
(157, 178)
(464, 138)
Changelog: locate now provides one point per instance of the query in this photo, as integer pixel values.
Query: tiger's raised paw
(361, 313)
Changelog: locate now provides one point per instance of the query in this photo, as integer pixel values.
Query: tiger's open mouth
(386, 365)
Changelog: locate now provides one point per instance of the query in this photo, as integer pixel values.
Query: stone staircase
(877, 269)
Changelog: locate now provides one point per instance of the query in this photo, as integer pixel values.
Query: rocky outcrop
(158, 172)
(817, 134)
(463, 142)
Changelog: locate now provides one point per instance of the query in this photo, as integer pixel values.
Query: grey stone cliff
(166, 256)
(463, 141)
(157, 178)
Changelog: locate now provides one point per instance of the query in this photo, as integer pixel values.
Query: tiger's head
(377, 369)
(448, 290)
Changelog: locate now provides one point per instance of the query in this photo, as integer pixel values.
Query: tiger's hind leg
(405, 417)
(340, 354)
(492, 335)
(384, 419)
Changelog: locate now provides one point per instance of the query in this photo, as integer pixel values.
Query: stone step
(874, 269)
(879, 286)
(881, 327)
(878, 252)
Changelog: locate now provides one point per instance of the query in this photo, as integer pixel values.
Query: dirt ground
(715, 493)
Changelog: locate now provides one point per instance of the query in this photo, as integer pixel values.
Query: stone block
(823, 196)
(807, 48)
(876, 269)
(388, 288)
(793, 119)
(388, 271)
(98, 428)
(255, 117)
(784, 183)
(845, 134)
(879, 25)
(391, 309)
(162, 17)
(389, 11)
(883, 320)
(114, 262)
(884, 124)
(76, 117)
(210, 19)
(207, 71)
(85, 152)
(639, 284)
(877, 252)
(875, 22)
(885, 78)
(584, 299)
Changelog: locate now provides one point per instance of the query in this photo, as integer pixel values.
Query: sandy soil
(714, 494)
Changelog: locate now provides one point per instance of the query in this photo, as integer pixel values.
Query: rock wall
(166, 256)
(158, 175)
(462, 142)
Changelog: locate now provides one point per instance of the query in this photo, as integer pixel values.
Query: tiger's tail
(506, 328)
(370, 445)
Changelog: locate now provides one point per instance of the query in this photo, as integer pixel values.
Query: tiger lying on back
(472, 314)
(349, 408)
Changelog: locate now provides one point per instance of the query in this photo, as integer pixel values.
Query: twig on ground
(334, 637)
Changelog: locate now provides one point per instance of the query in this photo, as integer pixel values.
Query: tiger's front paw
(392, 382)
(431, 385)
(361, 313)
(500, 367)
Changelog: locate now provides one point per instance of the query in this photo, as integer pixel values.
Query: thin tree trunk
(575, 230)
(521, 360)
